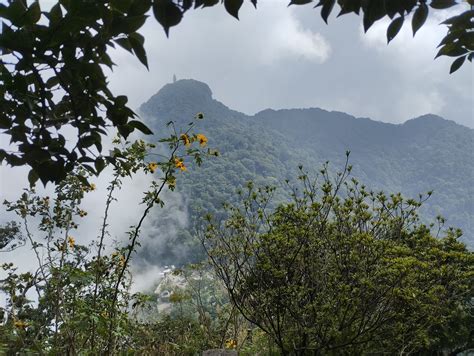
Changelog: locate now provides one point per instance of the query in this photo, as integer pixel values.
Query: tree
(52, 79)
(341, 270)
(77, 298)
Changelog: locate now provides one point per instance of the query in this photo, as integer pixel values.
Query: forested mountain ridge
(420, 155)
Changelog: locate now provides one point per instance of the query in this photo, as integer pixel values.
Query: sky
(287, 57)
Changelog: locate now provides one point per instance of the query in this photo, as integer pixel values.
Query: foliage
(10, 235)
(52, 69)
(343, 270)
(423, 154)
(77, 299)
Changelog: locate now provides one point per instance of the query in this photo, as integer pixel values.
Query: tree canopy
(339, 269)
(52, 68)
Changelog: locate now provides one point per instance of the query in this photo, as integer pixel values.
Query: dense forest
(275, 251)
(422, 155)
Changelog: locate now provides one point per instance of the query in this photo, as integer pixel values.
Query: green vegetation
(77, 298)
(421, 155)
(332, 269)
(343, 270)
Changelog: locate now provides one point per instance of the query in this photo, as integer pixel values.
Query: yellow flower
(179, 164)
(230, 344)
(202, 139)
(122, 261)
(152, 166)
(71, 242)
(186, 140)
(20, 324)
(172, 182)
(82, 213)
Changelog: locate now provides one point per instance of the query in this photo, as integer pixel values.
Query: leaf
(121, 5)
(451, 50)
(210, 3)
(140, 126)
(34, 13)
(442, 4)
(187, 4)
(328, 5)
(419, 17)
(167, 14)
(299, 2)
(99, 164)
(394, 28)
(86, 141)
(233, 7)
(457, 64)
(137, 40)
(32, 177)
(392, 8)
(374, 10)
(139, 7)
(124, 43)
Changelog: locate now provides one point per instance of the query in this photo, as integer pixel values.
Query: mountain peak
(184, 92)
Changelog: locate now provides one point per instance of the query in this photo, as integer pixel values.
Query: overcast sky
(287, 57)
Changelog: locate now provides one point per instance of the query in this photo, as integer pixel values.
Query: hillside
(423, 154)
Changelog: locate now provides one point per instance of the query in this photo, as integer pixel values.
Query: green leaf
(121, 5)
(457, 64)
(419, 17)
(299, 2)
(327, 6)
(32, 177)
(137, 40)
(87, 141)
(34, 13)
(209, 3)
(233, 7)
(99, 164)
(167, 14)
(55, 14)
(124, 43)
(139, 7)
(394, 28)
(140, 126)
(442, 4)
(451, 50)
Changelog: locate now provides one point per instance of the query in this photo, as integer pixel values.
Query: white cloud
(287, 38)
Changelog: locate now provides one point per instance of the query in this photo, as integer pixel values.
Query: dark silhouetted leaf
(139, 7)
(124, 43)
(137, 41)
(326, 9)
(442, 4)
(419, 17)
(394, 28)
(99, 164)
(140, 126)
(34, 13)
(451, 50)
(167, 14)
(299, 2)
(32, 177)
(457, 64)
(233, 7)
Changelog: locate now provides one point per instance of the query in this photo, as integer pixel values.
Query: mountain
(423, 154)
